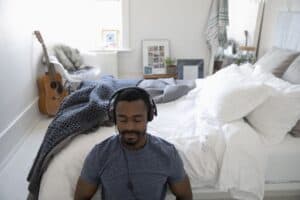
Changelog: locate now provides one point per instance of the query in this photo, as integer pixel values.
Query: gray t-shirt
(142, 174)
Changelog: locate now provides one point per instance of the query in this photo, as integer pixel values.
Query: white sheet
(283, 161)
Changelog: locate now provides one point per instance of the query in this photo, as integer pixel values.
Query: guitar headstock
(38, 35)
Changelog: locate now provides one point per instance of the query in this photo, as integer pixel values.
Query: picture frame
(190, 68)
(154, 54)
(110, 39)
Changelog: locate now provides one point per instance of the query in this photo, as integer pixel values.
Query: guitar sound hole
(53, 84)
(59, 88)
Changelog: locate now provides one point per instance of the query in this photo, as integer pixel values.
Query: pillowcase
(230, 95)
(279, 113)
(275, 61)
(292, 74)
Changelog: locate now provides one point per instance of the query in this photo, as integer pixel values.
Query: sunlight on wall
(73, 22)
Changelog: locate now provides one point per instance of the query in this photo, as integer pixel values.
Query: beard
(132, 137)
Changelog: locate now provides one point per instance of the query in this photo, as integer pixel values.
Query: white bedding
(283, 161)
(225, 156)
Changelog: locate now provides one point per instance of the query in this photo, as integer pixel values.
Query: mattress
(283, 162)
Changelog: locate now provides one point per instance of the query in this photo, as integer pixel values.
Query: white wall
(272, 8)
(181, 21)
(20, 51)
(17, 79)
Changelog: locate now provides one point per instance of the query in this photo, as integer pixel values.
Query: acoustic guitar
(51, 90)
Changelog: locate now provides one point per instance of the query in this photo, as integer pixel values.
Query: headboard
(287, 31)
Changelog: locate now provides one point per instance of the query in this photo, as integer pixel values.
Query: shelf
(156, 76)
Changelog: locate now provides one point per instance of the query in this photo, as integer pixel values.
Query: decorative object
(147, 70)
(189, 68)
(154, 54)
(246, 54)
(171, 67)
(110, 39)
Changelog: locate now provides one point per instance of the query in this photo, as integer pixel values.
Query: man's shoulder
(109, 144)
(161, 143)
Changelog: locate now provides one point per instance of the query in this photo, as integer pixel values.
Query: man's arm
(84, 190)
(182, 189)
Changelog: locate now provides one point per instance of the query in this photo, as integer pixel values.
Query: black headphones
(152, 110)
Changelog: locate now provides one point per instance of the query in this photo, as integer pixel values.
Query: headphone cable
(129, 184)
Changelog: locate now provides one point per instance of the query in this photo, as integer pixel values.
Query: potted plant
(170, 64)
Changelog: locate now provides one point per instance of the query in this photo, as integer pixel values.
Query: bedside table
(157, 76)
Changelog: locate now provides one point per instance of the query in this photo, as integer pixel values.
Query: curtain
(216, 35)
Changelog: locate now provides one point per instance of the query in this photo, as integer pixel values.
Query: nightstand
(157, 76)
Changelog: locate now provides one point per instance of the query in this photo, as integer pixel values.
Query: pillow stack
(230, 95)
(269, 104)
(292, 75)
(279, 113)
(285, 64)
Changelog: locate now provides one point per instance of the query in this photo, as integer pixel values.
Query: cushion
(296, 130)
(274, 118)
(275, 61)
(64, 60)
(292, 74)
(69, 57)
(230, 95)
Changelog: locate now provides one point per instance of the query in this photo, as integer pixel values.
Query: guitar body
(51, 93)
(51, 90)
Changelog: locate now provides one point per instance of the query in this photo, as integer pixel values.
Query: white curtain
(216, 29)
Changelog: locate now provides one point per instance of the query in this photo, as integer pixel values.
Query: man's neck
(137, 146)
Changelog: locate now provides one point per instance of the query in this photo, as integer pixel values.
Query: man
(133, 164)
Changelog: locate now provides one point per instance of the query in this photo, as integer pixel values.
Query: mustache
(131, 132)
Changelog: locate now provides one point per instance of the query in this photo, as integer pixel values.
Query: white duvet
(219, 149)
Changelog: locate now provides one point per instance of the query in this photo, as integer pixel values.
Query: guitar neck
(51, 69)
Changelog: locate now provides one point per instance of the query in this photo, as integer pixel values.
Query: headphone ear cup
(150, 115)
(152, 111)
(111, 110)
(111, 115)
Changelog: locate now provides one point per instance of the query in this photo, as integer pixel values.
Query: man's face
(131, 121)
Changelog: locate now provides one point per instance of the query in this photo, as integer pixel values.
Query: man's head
(131, 109)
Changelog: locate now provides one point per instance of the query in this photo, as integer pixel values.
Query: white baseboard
(14, 135)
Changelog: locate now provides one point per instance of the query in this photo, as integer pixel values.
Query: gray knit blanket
(167, 89)
(80, 112)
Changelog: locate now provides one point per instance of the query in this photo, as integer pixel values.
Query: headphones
(143, 95)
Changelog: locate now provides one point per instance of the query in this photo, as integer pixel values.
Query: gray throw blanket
(81, 112)
(167, 89)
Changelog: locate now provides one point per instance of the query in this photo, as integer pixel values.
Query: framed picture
(110, 39)
(154, 55)
(189, 69)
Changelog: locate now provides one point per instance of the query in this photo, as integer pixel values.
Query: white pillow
(275, 61)
(230, 95)
(279, 113)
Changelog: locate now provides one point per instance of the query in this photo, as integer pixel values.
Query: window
(111, 20)
(243, 16)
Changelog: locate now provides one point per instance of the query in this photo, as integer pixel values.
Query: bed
(223, 129)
